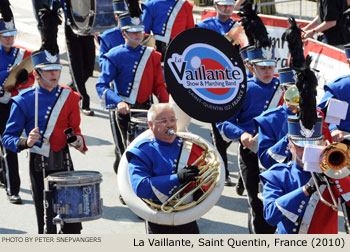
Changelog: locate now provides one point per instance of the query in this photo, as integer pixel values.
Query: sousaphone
(212, 177)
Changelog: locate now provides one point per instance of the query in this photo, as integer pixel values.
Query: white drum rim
(92, 178)
(141, 208)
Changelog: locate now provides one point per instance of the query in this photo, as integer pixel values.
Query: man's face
(7, 41)
(48, 75)
(165, 120)
(297, 152)
(225, 9)
(133, 38)
(264, 72)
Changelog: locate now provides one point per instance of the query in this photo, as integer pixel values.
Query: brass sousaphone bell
(208, 165)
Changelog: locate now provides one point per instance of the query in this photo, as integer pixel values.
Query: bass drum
(142, 209)
(87, 17)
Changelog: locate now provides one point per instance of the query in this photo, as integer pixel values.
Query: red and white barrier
(328, 60)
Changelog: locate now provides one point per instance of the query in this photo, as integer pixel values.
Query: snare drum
(137, 125)
(87, 17)
(76, 195)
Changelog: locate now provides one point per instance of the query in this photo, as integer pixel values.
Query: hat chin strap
(7, 45)
(45, 79)
(292, 150)
(133, 40)
(259, 76)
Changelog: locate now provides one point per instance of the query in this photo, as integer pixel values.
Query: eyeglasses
(166, 121)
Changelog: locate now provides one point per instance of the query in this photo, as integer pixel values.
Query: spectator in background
(238, 4)
(329, 23)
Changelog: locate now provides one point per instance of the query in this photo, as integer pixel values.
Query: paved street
(228, 216)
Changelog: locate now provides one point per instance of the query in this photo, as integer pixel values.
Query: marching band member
(81, 56)
(136, 72)
(112, 37)
(221, 23)
(166, 19)
(338, 89)
(156, 166)
(260, 93)
(53, 108)
(272, 124)
(286, 183)
(290, 198)
(244, 54)
(273, 128)
(263, 92)
(10, 56)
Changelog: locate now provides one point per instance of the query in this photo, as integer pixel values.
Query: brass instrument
(236, 36)
(149, 40)
(26, 64)
(208, 165)
(335, 163)
(291, 95)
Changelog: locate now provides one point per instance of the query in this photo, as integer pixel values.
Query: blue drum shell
(76, 195)
(139, 125)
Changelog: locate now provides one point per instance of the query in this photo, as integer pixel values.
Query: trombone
(335, 163)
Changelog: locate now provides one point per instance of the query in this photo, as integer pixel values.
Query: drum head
(87, 17)
(205, 75)
(80, 11)
(75, 177)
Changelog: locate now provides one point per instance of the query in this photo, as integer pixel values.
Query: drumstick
(138, 110)
(36, 107)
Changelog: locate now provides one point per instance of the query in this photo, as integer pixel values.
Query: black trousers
(221, 145)
(249, 168)
(81, 57)
(188, 228)
(37, 183)
(161, 47)
(13, 182)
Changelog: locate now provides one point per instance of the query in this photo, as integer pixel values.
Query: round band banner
(205, 75)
